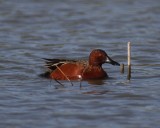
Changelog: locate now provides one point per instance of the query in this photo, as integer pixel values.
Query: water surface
(31, 30)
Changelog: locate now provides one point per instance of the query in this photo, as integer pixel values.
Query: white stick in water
(129, 61)
(129, 53)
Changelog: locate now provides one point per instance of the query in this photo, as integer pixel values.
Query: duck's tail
(45, 75)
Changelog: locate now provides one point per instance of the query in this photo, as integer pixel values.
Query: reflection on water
(96, 92)
(31, 30)
(96, 82)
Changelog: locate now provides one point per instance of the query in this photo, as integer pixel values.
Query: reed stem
(129, 61)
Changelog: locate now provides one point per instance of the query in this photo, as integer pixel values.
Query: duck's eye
(99, 55)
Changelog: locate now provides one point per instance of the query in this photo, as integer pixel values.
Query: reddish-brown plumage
(74, 70)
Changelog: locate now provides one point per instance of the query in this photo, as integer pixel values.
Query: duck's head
(98, 57)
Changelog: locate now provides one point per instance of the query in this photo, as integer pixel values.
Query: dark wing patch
(53, 63)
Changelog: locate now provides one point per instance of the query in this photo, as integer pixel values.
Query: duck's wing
(53, 63)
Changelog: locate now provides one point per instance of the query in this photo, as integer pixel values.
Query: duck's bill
(110, 61)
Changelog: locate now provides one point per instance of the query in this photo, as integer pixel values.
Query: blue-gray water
(35, 29)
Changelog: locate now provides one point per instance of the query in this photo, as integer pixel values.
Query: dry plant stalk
(64, 75)
(129, 61)
(122, 68)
